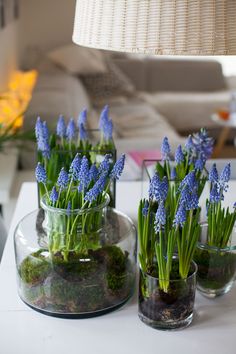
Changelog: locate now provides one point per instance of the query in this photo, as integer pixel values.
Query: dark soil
(215, 269)
(175, 305)
(85, 283)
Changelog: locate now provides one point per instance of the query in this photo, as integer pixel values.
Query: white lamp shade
(162, 27)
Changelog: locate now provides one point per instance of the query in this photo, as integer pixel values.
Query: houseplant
(216, 251)
(168, 233)
(56, 149)
(81, 260)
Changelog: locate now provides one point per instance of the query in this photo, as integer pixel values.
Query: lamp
(162, 27)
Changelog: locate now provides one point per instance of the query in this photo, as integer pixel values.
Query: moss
(77, 266)
(34, 268)
(81, 284)
(215, 269)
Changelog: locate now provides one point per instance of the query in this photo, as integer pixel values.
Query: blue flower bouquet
(168, 230)
(216, 251)
(56, 150)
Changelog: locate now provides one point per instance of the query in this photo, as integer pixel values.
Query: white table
(24, 331)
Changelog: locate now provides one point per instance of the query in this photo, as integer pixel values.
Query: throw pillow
(79, 60)
(106, 87)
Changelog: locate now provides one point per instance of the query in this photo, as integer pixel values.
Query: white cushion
(79, 60)
(187, 111)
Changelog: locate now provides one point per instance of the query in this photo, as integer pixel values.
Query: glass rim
(114, 210)
(98, 207)
(205, 246)
(172, 280)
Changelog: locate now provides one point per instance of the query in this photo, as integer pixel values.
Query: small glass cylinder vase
(216, 266)
(169, 310)
(75, 264)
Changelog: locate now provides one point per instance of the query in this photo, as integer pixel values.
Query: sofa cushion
(138, 121)
(187, 111)
(104, 87)
(184, 75)
(55, 95)
(78, 60)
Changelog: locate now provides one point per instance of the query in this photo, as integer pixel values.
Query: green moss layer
(84, 283)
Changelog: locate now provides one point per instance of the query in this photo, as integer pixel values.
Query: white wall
(45, 24)
(8, 53)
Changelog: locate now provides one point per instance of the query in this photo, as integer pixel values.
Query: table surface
(24, 331)
(231, 123)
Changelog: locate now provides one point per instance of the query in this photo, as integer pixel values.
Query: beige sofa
(171, 97)
(185, 92)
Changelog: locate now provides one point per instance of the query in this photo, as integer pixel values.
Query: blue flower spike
(225, 174)
(173, 174)
(82, 119)
(105, 165)
(165, 149)
(179, 156)
(213, 174)
(97, 189)
(145, 208)
(75, 168)
(160, 218)
(63, 179)
(71, 130)
(54, 196)
(118, 168)
(180, 216)
(83, 174)
(40, 173)
(61, 127)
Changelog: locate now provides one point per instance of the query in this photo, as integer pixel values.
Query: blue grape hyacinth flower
(54, 195)
(213, 174)
(83, 174)
(199, 164)
(118, 168)
(179, 156)
(61, 127)
(63, 179)
(108, 130)
(173, 174)
(38, 128)
(71, 130)
(189, 180)
(97, 189)
(180, 216)
(225, 174)
(93, 173)
(40, 173)
(42, 136)
(104, 117)
(165, 149)
(75, 168)
(82, 132)
(105, 165)
(160, 217)
(154, 185)
(215, 195)
(145, 208)
(82, 119)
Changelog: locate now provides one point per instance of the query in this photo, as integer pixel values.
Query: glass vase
(75, 264)
(216, 266)
(169, 310)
